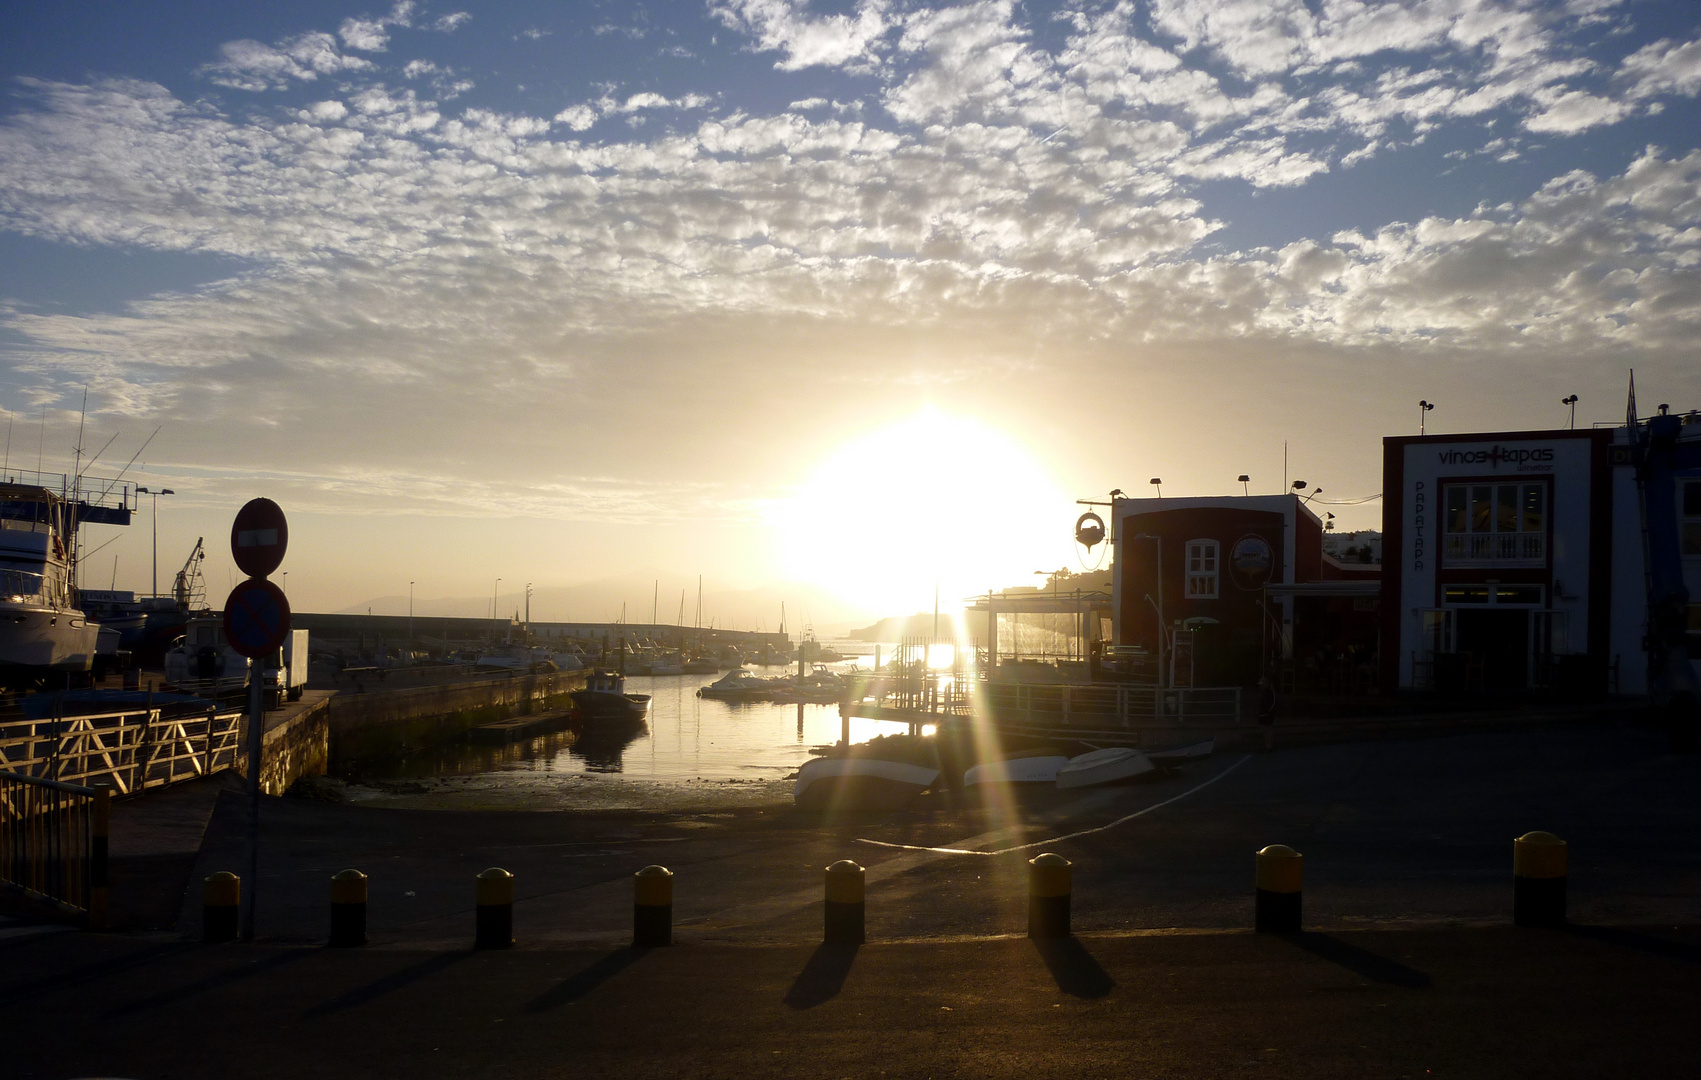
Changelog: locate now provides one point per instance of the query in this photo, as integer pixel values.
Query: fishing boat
(860, 783)
(1033, 767)
(605, 698)
(41, 630)
(1104, 767)
(1176, 754)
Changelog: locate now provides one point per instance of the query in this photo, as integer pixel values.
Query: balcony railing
(1496, 549)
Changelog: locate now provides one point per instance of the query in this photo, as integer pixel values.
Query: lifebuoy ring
(1089, 530)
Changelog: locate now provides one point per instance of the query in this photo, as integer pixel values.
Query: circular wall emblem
(1251, 562)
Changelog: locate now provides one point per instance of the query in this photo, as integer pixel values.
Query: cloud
(1663, 67)
(448, 24)
(373, 35)
(783, 26)
(249, 65)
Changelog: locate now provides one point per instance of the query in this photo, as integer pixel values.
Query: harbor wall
(384, 723)
(296, 743)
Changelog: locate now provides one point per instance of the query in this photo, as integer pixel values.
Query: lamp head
(1243, 479)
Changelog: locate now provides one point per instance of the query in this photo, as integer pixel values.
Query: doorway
(1500, 639)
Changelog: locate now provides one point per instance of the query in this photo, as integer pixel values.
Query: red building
(1222, 590)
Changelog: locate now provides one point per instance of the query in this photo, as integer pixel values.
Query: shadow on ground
(1360, 962)
(576, 986)
(1073, 967)
(823, 977)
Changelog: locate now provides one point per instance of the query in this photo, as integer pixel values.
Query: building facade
(1514, 561)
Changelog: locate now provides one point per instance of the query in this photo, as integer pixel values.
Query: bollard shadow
(360, 995)
(576, 986)
(211, 982)
(1631, 939)
(1073, 967)
(100, 969)
(823, 977)
(1361, 962)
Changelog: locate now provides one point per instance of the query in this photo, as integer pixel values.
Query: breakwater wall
(384, 723)
(296, 743)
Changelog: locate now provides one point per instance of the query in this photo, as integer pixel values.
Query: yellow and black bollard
(221, 901)
(1281, 873)
(100, 830)
(348, 909)
(845, 908)
(1049, 886)
(495, 912)
(652, 907)
(1539, 863)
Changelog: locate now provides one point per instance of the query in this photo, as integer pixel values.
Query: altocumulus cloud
(993, 176)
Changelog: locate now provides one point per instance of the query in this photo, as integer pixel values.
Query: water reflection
(688, 739)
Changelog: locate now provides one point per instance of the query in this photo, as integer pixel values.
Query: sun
(935, 499)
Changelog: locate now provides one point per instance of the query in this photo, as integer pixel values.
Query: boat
(1190, 752)
(1033, 767)
(701, 665)
(739, 684)
(1104, 767)
(860, 783)
(668, 665)
(605, 698)
(41, 630)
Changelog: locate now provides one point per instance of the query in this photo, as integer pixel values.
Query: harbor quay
(1407, 962)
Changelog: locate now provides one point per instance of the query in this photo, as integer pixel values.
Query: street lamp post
(410, 622)
(494, 589)
(156, 493)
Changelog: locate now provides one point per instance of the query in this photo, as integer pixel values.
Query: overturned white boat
(860, 783)
(1104, 767)
(1190, 752)
(1029, 769)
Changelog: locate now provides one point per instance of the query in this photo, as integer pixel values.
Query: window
(1497, 524)
(1201, 569)
(1691, 524)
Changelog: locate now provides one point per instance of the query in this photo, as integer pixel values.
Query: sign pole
(256, 740)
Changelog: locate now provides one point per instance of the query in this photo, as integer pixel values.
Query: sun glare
(933, 499)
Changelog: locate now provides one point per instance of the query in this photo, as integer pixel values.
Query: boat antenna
(8, 466)
(39, 440)
(108, 489)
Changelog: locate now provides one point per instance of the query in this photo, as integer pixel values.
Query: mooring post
(652, 907)
(1539, 865)
(348, 909)
(1050, 886)
(845, 907)
(1281, 874)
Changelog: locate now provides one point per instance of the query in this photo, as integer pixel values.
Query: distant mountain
(899, 627)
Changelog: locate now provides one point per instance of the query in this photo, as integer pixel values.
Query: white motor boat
(1104, 767)
(1034, 769)
(739, 684)
(857, 783)
(41, 629)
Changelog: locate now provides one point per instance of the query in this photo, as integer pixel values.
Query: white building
(1515, 560)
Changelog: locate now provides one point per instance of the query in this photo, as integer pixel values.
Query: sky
(836, 300)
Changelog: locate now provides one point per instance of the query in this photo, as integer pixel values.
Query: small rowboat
(1184, 753)
(1039, 769)
(860, 783)
(1104, 767)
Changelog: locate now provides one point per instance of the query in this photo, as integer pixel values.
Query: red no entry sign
(258, 537)
(256, 618)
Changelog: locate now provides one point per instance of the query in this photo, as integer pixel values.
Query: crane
(1660, 455)
(188, 588)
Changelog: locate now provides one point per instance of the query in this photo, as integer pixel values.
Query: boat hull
(1190, 752)
(1104, 767)
(607, 705)
(40, 638)
(860, 784)
(1027, 770)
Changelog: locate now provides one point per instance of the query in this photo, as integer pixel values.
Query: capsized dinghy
(1184, 753)
(1104, 767)
(1038, 768)
(860, 783)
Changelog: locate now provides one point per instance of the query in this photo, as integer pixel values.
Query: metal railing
(129, 750)
(1101, 706)
(1496, 549)
(53, 843)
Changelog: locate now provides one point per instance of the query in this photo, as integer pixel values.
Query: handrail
(42, 781)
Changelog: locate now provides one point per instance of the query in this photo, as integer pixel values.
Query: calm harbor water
(688, 739)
